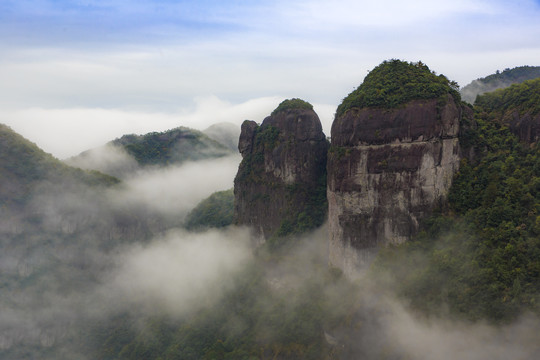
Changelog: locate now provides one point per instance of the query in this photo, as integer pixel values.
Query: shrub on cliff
(396, 82)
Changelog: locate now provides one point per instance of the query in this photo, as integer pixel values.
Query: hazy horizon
(77, 74)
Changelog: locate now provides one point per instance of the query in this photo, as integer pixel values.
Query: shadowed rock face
(281, 183)
(387, 169)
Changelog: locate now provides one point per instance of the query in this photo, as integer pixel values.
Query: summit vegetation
(396, 82)
(292, 104)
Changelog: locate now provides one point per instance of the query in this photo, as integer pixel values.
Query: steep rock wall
(280, 187)
(387, 169)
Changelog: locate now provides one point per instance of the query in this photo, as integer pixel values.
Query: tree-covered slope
(523, 98)
(126, 155)
(396, 82)
(23, 165)
(480, 257)
(215, 211)
(499, 80)
(59, 228)
(516, 107)
(172, 146)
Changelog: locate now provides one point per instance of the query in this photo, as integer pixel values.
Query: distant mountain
(224, 133)
(498, 80)
(517, 106)
(131, 152)
(59, 228)
(23, 165)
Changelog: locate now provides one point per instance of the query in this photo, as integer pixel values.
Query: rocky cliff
(281, 182)
(389, 166)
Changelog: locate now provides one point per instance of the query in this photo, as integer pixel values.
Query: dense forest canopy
(292, 104)
(395, 82)
(480, 255)
(172, 146)
(499, 80)
(23, 165)
(523, 98)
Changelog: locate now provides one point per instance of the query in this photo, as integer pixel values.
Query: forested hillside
(93, 267)
(479, 257)
(173, 146)
(130, 153)
(499, 80)
(23, 165)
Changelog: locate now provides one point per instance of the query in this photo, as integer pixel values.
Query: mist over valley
(173, 245)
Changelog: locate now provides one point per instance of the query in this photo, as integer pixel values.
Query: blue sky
(75, 74)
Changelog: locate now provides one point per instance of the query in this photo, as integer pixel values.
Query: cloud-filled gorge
(107, 272)
(130, 250)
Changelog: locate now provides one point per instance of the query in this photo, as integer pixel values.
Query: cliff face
(387, 169)
(281, 183)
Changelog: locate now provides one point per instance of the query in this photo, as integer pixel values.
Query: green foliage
(499, 80)
(23, 165)
(524, 98)
(267, 137)
(216, 211)
(311, 216)
(515, 75)
(396, 82)
(290, 104)
(481, 259)
(170, 147)
(252, 165)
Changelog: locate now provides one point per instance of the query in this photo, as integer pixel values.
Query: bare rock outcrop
(387, 169)
(280, 188)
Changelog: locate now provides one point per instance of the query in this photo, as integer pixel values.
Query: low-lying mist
(94, 272)
(70, 252)
(177, 273)
(173, 191)
(288, 304)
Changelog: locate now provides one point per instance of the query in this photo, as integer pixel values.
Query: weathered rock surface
(280, 187)
(387, 169)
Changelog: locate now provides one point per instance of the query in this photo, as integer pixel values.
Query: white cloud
(381, 13)
(67, 132)
(68, 97)
(174, 191)
(180, 272)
